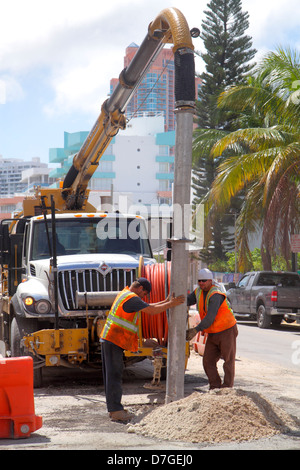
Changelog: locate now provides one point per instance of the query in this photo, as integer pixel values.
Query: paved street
(74, 412)
(279, 345)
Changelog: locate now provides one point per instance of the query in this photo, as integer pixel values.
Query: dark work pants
(112, 368)
(220, 345)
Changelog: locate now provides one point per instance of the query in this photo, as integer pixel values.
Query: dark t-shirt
(135, 304)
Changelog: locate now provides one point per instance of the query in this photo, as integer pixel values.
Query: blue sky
(57, 58)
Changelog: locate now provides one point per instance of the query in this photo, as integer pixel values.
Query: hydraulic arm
(170, 26)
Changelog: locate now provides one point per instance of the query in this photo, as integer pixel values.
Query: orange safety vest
(121, 328)
(224, 318)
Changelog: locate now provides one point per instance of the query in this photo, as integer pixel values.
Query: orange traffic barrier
(17, 415)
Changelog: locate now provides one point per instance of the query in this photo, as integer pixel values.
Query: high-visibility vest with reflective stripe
(224, 318)
(121, 328)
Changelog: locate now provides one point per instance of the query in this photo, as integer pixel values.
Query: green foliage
(265, 160)
(255, 263)
(227, 56)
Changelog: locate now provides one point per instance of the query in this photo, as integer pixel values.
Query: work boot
(122, 416)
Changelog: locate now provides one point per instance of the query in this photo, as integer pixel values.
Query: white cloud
(2, 92)
(80, 45)
(85, 57)
(10, 89)
(272, 21)
(78, 89)
(57, 58)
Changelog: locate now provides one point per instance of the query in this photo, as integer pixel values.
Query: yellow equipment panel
(54, 343)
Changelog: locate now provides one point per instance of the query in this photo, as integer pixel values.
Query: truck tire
(263, 320)
(19, 328)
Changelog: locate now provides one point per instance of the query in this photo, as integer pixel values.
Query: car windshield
(92, 235)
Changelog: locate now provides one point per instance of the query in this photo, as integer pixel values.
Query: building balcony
(73, 140)
(164, 158)
(165, 176)
(104, 174)
(58, 172)
(57, 155)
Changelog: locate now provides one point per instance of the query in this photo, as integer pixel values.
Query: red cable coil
(156, 326)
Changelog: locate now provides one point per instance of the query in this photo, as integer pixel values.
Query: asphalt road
(75, 417)
(279, 345)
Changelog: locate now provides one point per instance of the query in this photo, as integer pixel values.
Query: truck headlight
(28, 301)
(42, 307)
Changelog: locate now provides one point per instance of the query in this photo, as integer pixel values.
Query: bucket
(199, 343)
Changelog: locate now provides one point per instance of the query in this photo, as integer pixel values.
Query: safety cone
(17, 414)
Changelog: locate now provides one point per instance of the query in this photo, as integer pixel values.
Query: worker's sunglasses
(202, 280)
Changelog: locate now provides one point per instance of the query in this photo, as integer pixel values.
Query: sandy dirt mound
(216, 416)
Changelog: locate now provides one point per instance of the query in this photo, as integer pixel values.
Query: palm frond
(262, 160)
(286, 162)
(281, 70)
(254, 139)
(237, 172)
(203, 141)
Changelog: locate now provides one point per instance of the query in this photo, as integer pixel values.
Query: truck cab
(96, 252)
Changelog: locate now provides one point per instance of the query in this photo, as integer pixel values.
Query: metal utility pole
(185, 102)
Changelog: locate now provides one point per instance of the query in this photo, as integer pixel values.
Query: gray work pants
(112, 369)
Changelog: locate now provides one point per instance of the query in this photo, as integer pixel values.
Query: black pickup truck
(267, 297)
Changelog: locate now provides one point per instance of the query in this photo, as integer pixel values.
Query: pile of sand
(216, 416)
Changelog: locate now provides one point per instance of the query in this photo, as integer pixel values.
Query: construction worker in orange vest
(120, 333)
(218, 321)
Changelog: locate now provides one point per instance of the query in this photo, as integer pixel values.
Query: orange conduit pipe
(156, 326)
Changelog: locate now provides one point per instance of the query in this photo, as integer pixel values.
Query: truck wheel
(19, 328)
(263, 320)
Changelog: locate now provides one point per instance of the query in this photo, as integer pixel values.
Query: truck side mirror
(231, 285)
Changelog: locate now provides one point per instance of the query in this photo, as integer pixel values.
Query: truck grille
(91, 280)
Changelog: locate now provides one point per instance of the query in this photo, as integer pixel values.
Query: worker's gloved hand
(191, 333)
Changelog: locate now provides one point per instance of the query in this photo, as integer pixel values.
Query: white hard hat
(205, 274)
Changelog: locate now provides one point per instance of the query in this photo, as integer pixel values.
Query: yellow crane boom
(169, 26)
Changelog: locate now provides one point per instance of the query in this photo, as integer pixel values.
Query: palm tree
(264, 161)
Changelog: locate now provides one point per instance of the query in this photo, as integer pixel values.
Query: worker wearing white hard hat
(218, 321)
(207, 274)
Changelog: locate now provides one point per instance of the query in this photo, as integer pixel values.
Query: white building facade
(137, 168)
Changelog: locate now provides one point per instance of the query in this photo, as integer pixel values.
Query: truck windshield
(95, 235)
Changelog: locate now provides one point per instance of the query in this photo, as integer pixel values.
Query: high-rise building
(155, 93)
(139, 162)
(11, 170)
